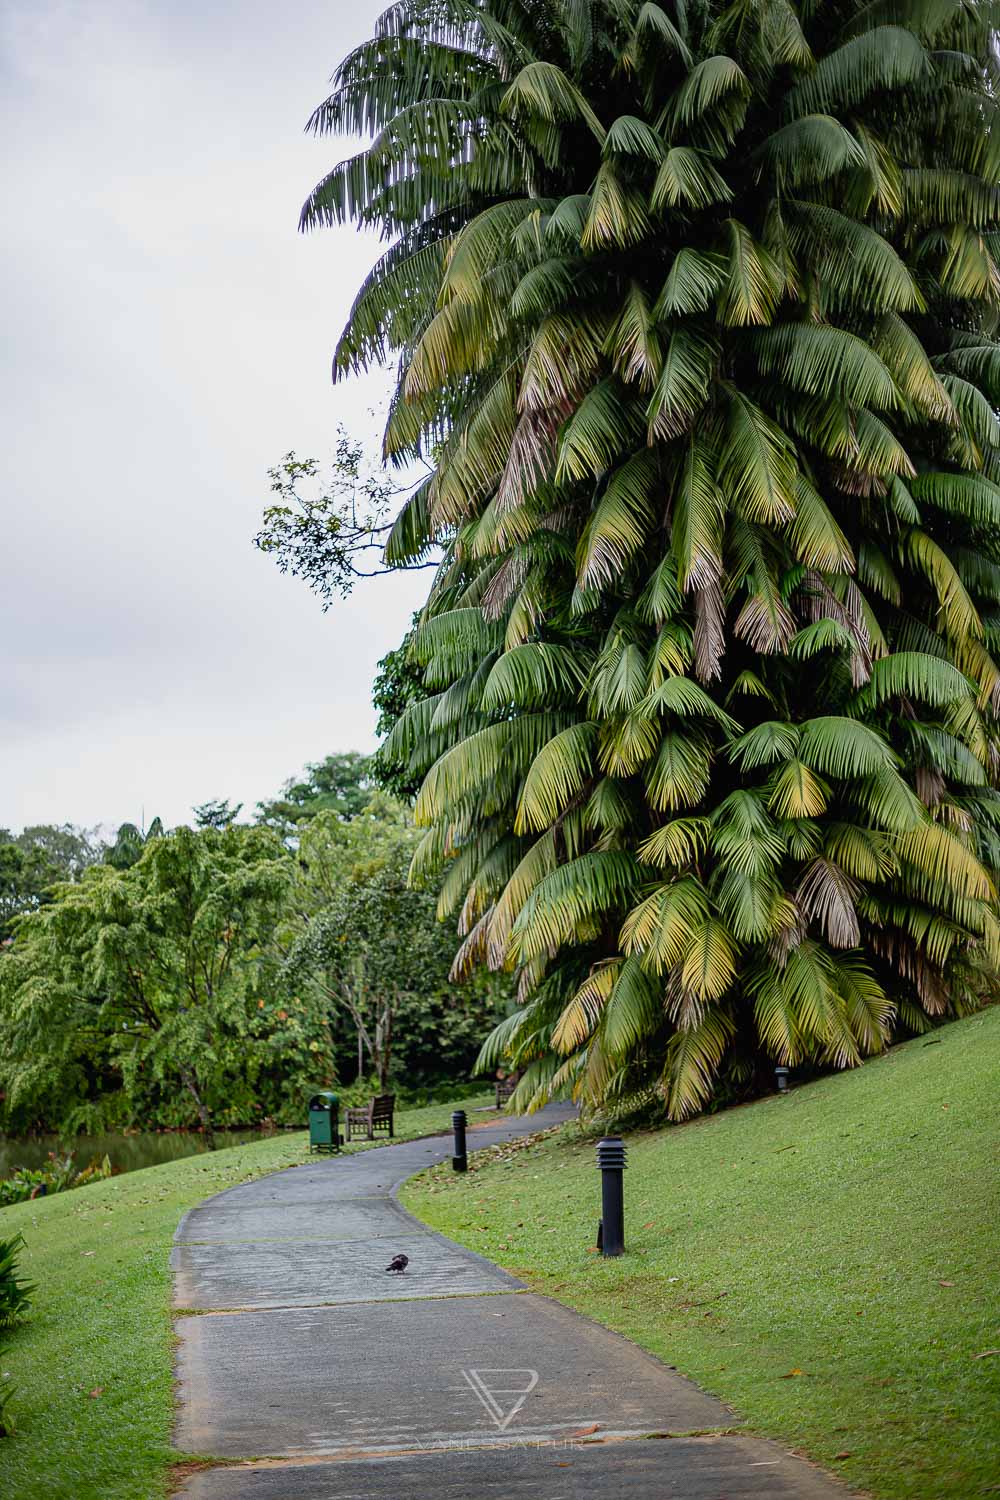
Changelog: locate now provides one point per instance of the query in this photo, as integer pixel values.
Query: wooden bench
(505, 1087)
(375, 1115)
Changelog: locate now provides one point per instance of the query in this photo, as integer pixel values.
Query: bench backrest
(382, 1106)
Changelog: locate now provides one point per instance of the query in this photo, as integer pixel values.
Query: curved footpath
(332, 1379)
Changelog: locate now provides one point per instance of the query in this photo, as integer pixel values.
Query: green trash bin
(324, 1122)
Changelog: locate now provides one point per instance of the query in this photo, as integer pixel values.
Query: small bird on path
(398, 1263)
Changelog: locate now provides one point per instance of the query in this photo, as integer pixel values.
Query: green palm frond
(682, 388)
(797, 792)
(857, 265)
(764, 744)
(816, 536)
(620, 524)
(630, 136)
(678, 843)
(687, 176)
(694, 279)
(582, 1014)
(633, 1011)
(556, 775)
(542, 90)
(479, 761)
(757, 464)
(663, 926)
(958, 614)
(593, 886)
(633, 345)
(843, 747)
(969, 495)
(810, 357)
(679, 774)
(709, 963)
(880, 59)
(692, 1062)
(604, 423)
(812, 149)
(913, 674)
(707, 83)
(617, 213)
(534, 675)
(754, 282)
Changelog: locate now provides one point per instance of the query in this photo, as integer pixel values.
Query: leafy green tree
(695, 311)
(333, 852)
(151, 979)
(218, 813)
(67, 849)
(399, 684)
(35, 859)
(340, 784)
(24, 878)
(377, 953)
(330, 530)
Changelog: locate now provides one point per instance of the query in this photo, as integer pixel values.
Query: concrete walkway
(333, 1380)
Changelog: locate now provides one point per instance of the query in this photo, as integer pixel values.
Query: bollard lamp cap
(611, 1153)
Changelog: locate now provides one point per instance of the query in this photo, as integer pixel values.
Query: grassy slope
(825, 1261)
(93, 1364)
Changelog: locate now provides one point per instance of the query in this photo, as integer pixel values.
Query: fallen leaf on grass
(985, 1353)
(946, 1283)
(97, 1391)
(586, 1431)
(846, 1454)
(788, 1375)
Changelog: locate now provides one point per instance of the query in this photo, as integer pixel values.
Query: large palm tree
(695, 310)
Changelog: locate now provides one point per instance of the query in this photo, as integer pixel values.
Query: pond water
(127, 1152)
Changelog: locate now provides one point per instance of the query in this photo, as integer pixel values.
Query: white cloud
(168, 337)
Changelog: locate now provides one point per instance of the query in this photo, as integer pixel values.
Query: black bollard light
(611, 1161)
(460, 1160)
(781, 1075)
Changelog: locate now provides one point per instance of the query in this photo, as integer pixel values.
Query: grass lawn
(825, 1261)
(93, 1363)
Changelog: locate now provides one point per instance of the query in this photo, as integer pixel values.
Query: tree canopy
(341, 784)
(37, 858)
(695, 311)
(216, 976)
(146, 981)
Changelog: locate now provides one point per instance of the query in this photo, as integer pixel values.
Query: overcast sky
(167, 338)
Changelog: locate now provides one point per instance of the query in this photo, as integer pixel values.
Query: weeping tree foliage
(695, 314)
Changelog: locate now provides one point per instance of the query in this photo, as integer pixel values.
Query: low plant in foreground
(15, 1293)
(15, 1300)
(6, 1416)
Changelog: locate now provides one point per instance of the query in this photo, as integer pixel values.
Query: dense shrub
(56, 1177)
